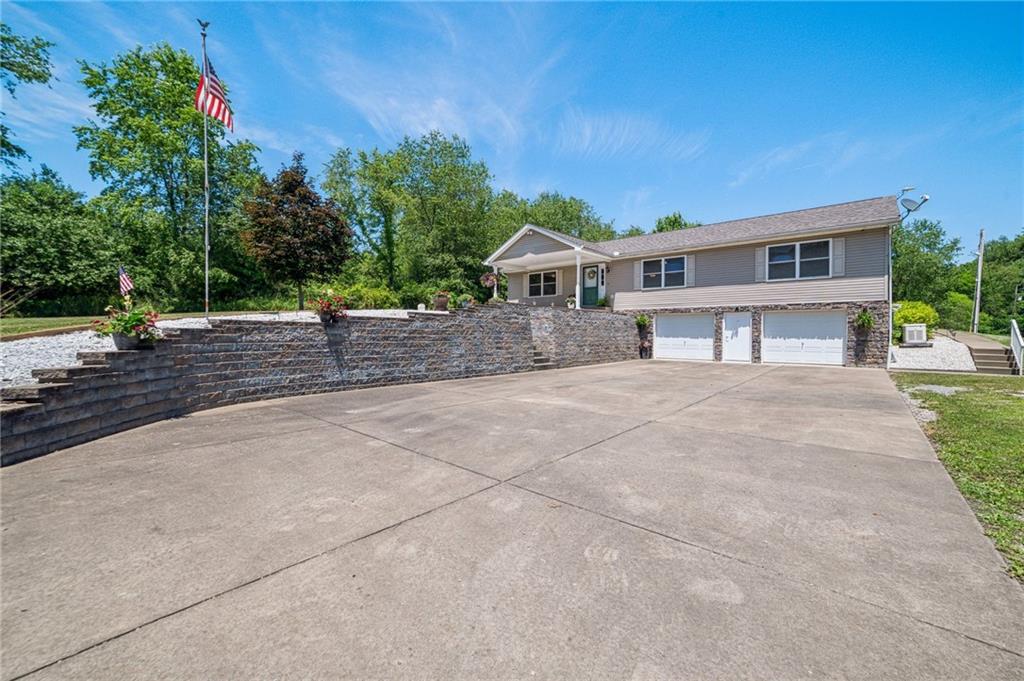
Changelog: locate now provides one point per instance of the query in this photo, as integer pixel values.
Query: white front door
(736, 337)
(684, 336)
(804, 337)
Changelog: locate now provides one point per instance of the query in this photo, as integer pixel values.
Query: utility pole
(977, 283)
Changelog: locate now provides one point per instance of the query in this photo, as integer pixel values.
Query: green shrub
(363, 297)
(864, 321)
(462, 300)
(913, 312)
(254, 304)
(956, 311)
(412, 294)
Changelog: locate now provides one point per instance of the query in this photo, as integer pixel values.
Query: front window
(664, 272)
(806, 260)
(543, 284)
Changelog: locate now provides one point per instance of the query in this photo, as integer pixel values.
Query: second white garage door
(804, 337)
(684, 336)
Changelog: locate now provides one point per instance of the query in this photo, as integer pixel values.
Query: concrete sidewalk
(636, 520)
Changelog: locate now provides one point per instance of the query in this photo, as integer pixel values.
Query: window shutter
(558, 282)
(526, 285)
(759, 263)
(691, 270)
(636, 275)
(839, 257)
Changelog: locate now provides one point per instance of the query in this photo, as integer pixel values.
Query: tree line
(419, 217)
(386, 226)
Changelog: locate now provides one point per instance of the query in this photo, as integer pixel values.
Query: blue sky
(719, 111)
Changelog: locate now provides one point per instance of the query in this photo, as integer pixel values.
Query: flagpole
(206, 180)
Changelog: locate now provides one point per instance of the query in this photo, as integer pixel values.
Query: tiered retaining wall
(238, 361)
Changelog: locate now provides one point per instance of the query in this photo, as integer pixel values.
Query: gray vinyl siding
(535, 244)
(517, 292)
(734, 266)
(725, 266)
(866, 253)
(618, 276)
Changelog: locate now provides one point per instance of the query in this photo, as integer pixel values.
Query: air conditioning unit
(915, 334)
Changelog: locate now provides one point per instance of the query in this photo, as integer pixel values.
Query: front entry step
(993, 361)
(541, 361)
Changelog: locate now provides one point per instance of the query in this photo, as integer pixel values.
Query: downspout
(888, 340)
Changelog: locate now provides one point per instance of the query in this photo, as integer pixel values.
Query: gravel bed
(917, 408)
(945, 354)
(18, 358)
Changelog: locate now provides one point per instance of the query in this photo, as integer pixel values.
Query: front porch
(547, 269)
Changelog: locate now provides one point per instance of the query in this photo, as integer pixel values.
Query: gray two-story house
(785, 288)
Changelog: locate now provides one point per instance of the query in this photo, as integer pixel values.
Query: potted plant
(863, 322)
(441, 300)
(465, 300)
(643, 326)
(329, 307)
(131, 327)
(570, 302)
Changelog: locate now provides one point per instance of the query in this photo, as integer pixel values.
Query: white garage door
(684, 336)
(804, 337)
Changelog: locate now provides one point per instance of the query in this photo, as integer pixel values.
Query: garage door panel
(684, 336)
(804, 337)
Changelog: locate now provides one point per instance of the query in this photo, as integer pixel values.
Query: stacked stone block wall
(237, 361)
(578, 337)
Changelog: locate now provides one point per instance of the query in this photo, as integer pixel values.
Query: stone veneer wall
(576, 337)
(238, 361)
(867, 350)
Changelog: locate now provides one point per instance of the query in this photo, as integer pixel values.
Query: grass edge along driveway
(979, 437)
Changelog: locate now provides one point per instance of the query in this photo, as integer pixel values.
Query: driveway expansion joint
(759, 566)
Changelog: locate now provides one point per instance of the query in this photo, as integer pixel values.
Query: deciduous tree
(147, 140)
(923, 261)
(22, 60)
(296, 234)
(672, 222)
(54, 245)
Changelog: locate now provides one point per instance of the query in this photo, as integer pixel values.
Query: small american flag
(211, 99)
(125, 281)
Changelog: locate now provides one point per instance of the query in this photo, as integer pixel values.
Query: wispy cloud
(831, 152)
(610, 135)
(45, 112)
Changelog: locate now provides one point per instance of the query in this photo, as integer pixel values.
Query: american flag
(211, 100)
(125, 281)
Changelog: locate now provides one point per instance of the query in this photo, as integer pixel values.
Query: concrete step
(998, 362)
(999, 371)
(991, 352)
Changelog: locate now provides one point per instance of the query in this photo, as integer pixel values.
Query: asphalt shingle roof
(853, 214)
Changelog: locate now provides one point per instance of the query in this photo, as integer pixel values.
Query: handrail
(1017, 346)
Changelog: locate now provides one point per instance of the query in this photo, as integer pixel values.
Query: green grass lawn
(979, 436)
(10, 326)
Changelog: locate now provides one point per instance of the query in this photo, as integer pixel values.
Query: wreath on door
(591, 274)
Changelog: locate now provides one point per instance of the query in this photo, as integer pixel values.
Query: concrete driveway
(643, 520)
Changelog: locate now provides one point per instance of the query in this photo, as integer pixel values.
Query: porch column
(579, 301)
(496, 282)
